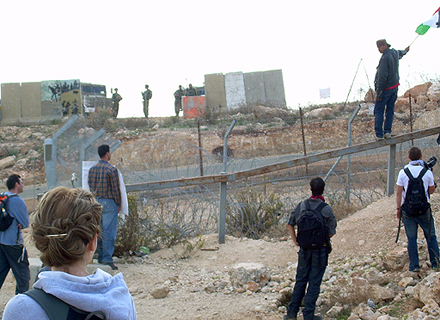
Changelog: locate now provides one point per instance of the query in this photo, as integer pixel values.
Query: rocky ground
(365, 264)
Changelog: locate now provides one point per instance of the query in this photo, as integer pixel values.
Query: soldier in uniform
(191, 91)
(146, 95)
(178, 94)
(116, 98)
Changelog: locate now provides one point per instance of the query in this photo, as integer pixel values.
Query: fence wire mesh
(260, 205)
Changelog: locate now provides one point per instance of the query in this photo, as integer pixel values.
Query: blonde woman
(65, 230)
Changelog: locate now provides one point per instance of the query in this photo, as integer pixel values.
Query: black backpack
(312, 232)
(5, 217)
(416, 203)
(57, 309)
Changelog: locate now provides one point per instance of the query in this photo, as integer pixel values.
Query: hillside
(366, 263)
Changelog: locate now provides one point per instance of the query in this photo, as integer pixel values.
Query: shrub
(253, 214)
(130, 236)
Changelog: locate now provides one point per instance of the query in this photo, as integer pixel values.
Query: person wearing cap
(147, 95)
(116, 98)
(386, 83)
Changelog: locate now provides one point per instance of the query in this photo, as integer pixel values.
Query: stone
(418, 90)
(252, 286)
(396, 259)
(7, 162)
(160, 293)
(261, 112)
(433, 92)
(428, 289)
(320, 113)
(334, 311)
(242, 273)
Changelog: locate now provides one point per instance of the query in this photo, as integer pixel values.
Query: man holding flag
(386, 83)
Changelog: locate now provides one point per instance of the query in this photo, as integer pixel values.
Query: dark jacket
(387, 74)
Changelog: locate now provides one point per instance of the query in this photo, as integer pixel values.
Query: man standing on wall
(147, 95)
(314, 249)
(386, 83)
(13, 254)
(104, 183)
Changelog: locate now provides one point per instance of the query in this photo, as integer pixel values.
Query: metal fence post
(223, 187)
(391, 166)
(51, 154)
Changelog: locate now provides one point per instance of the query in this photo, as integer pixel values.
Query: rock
(370, 96)
(433, 92)
(252, 286)
(428, 289)
(320, 113)
(261, 112)
(7, 162)
(405, 282)
(242, 273)
(160, 293)
(396, 259)
(418, 90)
(334, 311)
(374, 276)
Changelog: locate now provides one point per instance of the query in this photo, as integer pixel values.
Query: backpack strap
(411, 177)
(318, 208)
(56, 309)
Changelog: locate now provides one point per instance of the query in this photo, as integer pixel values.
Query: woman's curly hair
(66, 220)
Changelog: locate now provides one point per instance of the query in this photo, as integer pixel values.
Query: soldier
(191, 91)
(178, 94)
(116, 98)
(146, 95)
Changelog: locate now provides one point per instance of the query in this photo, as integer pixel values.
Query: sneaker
(379, 138)
(111, 264)
(415, 270)
(286, 317)
(387, 135)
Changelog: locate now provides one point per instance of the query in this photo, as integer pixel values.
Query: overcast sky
(127, 44)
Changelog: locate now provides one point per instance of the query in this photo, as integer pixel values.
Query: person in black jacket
(386, 83)
(313, 261)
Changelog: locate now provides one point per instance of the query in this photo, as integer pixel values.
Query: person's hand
(398, 213)
(407, 49)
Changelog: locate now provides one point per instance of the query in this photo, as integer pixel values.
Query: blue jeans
(311, 268)
(426, 222)
(389, 98)
(109, 226)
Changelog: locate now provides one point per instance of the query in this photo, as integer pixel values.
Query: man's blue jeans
(426, 222)
(311, 268)
(389, 98)
(109, 226)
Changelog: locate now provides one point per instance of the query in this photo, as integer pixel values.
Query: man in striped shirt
(104, 183)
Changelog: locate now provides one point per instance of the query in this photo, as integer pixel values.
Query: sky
(127, 44)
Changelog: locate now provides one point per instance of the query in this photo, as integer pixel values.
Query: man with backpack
(414, 185)
(13, 254)
(316, 224)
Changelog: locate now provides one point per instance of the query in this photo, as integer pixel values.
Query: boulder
(428, 289)
(7, 162)
(320, 113)
(242, 273)
(418, 90)
(261, 112)
(434, 92)
(396, 259)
